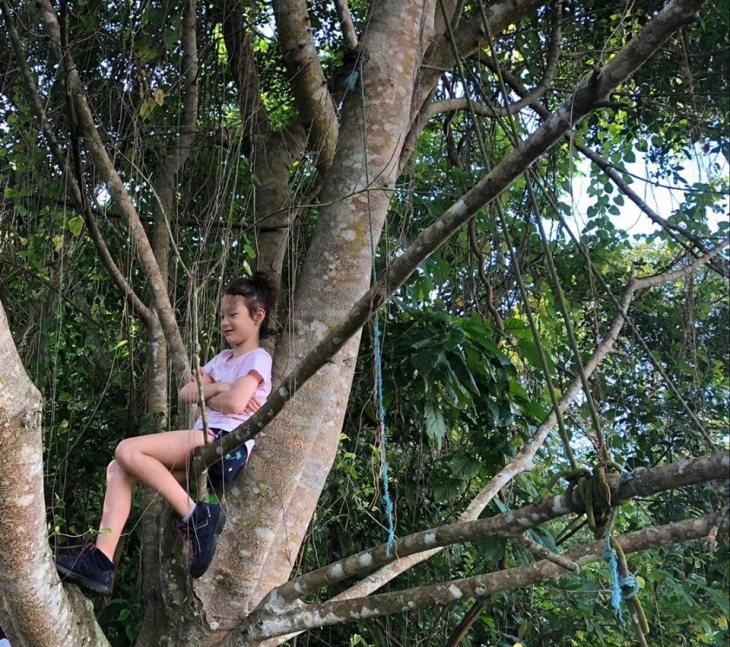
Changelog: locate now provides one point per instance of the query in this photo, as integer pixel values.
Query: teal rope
(383, 434)
(629, 586)
(351, 82)
(610, 556)
(623, 588)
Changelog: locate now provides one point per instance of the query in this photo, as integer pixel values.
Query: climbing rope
(351, 82)
(590, 494)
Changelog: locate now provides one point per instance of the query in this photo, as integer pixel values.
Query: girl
(235, 384)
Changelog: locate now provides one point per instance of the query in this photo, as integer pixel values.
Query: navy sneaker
(91, 569)
(202, 530)
(227, 468)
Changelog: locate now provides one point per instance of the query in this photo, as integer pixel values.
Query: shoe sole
(68, 575)
(217, 530)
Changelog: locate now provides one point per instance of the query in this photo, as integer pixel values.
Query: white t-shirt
(4, 642)
(226, 368)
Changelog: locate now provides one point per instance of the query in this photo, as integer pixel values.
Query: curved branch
(468, 38)
(668, 277)
(309, 85)
(330, 613)
(440, 56)
(118, 191)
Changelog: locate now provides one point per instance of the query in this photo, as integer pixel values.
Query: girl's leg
(152, 459)
(117, 505)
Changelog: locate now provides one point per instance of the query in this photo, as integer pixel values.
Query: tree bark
(292, 459)
(34, 610)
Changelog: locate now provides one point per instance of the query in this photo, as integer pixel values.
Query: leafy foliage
(463, 381)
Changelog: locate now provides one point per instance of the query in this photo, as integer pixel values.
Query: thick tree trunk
(272, 503)
(293, 457)
(31, 611)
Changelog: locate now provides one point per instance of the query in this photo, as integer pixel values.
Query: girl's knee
(124, 453)
(115, 472)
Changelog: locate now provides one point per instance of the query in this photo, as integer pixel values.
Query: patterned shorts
(227, 468)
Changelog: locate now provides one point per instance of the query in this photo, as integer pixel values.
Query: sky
(660, 197)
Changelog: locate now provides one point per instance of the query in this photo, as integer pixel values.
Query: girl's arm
(237, 397)
(188, 394)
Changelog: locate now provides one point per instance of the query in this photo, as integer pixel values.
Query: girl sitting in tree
(235, 383)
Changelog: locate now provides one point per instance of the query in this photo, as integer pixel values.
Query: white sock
(186, 518)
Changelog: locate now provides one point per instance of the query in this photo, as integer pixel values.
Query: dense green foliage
(464, 386)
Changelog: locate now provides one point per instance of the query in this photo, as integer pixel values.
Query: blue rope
(351, 81)
(623, 588)
(383, 435)
(629, 586)
(610, 556)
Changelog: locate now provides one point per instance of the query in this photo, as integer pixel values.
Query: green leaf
(464, 466)
(447, 489)
(434, 421)
(75, 225)
(543, 537)
(492, 550)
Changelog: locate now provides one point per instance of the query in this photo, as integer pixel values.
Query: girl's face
(240, 329)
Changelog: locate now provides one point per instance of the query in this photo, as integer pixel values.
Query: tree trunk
(293, 457)
(31, 611)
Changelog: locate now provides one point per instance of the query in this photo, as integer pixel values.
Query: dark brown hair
(258, 291)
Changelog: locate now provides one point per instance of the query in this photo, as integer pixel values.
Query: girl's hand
(205, 377)
(253, 405)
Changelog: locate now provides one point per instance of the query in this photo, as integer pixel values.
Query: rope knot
(629, 586)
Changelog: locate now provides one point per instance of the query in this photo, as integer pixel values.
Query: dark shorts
(227, 468)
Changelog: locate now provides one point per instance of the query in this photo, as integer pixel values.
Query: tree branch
(237, 36)
(330, 613)
(308, 82)
(440, 56)
(26, 567)
(118, 191)
(524, 460)
(541, 551)
(349, 35)
(674, 230)
(644, 483)
(527, 98)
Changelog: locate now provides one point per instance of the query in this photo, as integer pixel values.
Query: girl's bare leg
(117, 505)
(152, 460)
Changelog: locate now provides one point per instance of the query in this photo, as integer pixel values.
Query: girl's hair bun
(264, 281)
